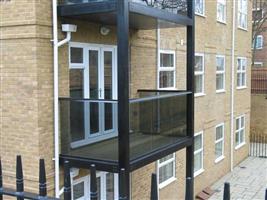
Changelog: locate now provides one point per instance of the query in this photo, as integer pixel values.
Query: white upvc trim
(204, 10)
(238, 71)
(171, 179)
(220, 140)
(201, 170)
(243, 13)
(225, 11)
(221, 72)
(258, 63)
(163, 69)
(202, 93)
(239, 130)
(261, 45)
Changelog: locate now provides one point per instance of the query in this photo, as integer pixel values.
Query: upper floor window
(221, 10)
(241, 72)
(220, 73)
(240, 132)
(219, 142)
(198, 154)
(166, 170)
(243, 14)
(166, 70)
(258, 64)
(200, 7)
(199, 74)
(257, 14)
(259, 42)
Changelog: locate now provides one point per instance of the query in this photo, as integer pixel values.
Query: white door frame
(102, 134)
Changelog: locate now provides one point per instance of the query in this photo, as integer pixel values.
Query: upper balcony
(158, 125)
(143, 14)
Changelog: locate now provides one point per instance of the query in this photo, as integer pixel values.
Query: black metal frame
(122, 10)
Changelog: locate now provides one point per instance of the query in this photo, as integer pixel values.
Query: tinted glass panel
(76, 55)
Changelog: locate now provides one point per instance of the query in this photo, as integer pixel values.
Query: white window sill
(167, 182)
(199, 94)
(220, 91)
(243, 29)
(222, 22)
(197, 173)
(241, 88)
(240, 145)
(200, 15)
(219, 159)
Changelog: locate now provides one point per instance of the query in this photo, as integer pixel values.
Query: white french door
(107, 186)
(100, 89)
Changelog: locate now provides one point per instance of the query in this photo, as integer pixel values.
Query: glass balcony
(174, 6)
(89, 128)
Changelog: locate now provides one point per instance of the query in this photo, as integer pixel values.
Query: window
(107, 185)
(242, 14)
(258, 64)
(257, 14)
(220, 73)
(241, 72)
(259, 42)
(221, 10)
(240, 132)
(198, 154)
(200, 7)
(219, 142)
(167, 70)
(166, 170)
(199, 74)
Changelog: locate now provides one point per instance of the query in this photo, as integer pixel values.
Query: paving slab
(248, 181)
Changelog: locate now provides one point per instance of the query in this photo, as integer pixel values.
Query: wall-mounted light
(104, 30)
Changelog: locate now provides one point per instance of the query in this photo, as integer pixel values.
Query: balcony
(89, 128)
(143, 14)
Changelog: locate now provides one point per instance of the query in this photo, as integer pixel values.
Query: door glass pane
(78, 191)
(109, 186)
(76, 55)
(98, 182)
(94, 92)
(108, 89)
(93, 74)
(166, 79)
(108, 74)
(76, 109)
(76, 83)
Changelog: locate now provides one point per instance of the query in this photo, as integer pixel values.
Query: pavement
(248, 181)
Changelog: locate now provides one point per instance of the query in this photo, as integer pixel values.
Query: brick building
(86, 71)
(260, 41)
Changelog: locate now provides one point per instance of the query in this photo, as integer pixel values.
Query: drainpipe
(233, 84)
(56, 131)
(68, 29)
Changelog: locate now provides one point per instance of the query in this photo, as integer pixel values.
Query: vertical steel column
(123, 97)
(190, 100)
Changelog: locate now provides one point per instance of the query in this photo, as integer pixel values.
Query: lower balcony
(89, 128)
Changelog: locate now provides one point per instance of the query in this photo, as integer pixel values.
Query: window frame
(166, 162)
(221, 140)
(201, 73)
(261, 44)
(167, 69)
(221, 72)
(241, 71)
(240, 144)
(224, 3)
(258, 63)
(204, 9)
(201, 150)
(242, 12)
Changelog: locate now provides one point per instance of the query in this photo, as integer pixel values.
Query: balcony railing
(89, 128)
(174, 6)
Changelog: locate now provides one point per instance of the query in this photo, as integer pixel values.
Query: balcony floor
(140, 144)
